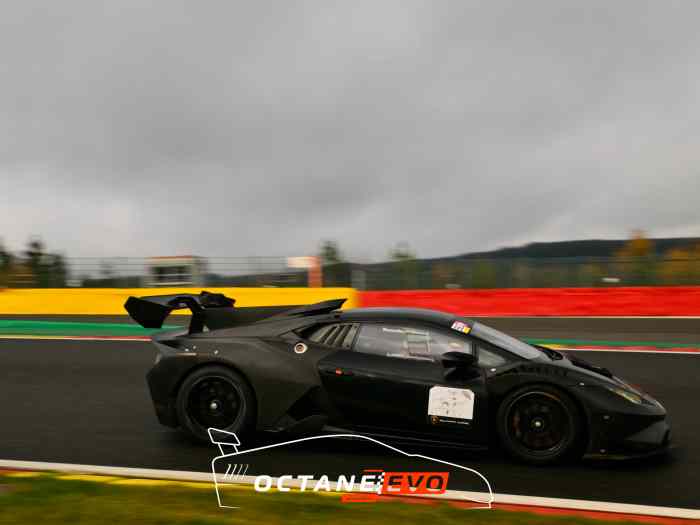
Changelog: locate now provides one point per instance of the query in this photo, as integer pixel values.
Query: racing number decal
(450, 405)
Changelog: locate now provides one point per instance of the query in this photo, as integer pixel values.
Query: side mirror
(459, 360)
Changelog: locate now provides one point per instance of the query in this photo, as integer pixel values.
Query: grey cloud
(241, 128)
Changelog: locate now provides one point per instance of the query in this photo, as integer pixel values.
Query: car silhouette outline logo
(234, 466)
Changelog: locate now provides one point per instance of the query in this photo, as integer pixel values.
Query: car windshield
(496, 338)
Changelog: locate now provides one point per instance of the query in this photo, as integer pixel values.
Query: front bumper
(650, 441)
(618, 428)
(655, 436)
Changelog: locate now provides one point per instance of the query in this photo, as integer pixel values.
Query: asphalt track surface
(672, 330)
(87, 402)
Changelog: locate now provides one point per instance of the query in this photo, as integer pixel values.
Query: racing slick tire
(539, 424)
(218, 397)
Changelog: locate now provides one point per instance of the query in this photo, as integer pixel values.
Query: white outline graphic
(236, 472)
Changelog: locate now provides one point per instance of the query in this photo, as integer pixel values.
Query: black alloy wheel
(214, 402)
(539, 424)
(214, 397)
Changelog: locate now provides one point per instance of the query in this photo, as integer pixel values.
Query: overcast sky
(259, 128)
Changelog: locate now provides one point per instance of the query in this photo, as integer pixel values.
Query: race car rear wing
(152, 310)
(213, 310)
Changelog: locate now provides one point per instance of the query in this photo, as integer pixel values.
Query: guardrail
(446, 273)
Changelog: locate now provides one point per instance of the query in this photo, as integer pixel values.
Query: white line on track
(148, 340)
(623, 351)
(512, 499)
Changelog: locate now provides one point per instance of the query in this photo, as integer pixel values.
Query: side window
(490, 359)
(441, 343)
(380, 340)
(408, 342)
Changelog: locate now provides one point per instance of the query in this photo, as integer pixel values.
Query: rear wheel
(214, 396)
(539, 424)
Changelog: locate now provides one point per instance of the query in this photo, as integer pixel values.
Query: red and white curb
(505, 499)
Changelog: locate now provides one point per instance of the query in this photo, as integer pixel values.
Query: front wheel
(214, 396)
(539, 424)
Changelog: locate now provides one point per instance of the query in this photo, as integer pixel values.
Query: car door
(392, 379)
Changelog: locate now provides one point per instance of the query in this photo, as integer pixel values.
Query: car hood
(598, 373)
(568, 361)
(590, 369)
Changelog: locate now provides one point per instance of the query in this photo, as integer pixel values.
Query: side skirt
(406, 440)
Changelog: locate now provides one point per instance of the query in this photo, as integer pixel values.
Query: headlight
(629, 396)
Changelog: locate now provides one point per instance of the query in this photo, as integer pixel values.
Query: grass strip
(28, 327)
(49, 498)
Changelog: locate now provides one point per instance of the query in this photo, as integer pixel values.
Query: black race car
(401, 374)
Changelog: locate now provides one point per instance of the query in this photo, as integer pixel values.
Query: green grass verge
(28, 327)
(52, 498)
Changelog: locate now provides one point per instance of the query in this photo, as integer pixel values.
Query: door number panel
(447, 404)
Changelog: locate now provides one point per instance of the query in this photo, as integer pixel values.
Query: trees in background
(5, 257)
(681, 266)
(639, 246)
(35, 267)
(5, 265)
(635, 261)
(639, 261)
(330, 253)
(336, 272)
(405, 266)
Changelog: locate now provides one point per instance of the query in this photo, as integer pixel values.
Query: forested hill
(585, 248)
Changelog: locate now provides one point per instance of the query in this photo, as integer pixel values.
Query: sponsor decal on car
(461, 327)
